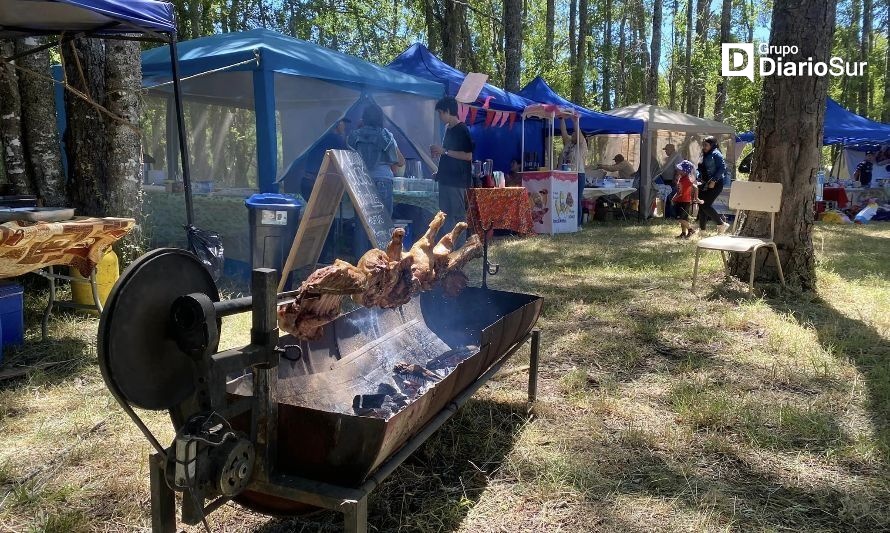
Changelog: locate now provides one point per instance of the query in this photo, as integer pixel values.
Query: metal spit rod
(245, 303)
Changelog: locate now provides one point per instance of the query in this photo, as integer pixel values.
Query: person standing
(668, 176)
(379, 151)
(334, 139)
(712, 173)
(455, 164)
(574, 154)
(686, 194)
(864, 170)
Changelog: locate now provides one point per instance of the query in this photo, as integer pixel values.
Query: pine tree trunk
(725, 37)
(123, 84)
(578, 79)
(672, 72)
(432, 30)
(864, 53)
(450, 33)
(607, 58)
(40, 132)
(549, 30)
(789, 133)
(512, 45)
(655, 58)
(701, 36)
(11, 138)
(573, 35)
(885, 108)
(689, 85)
(85, 135)
(621, 77)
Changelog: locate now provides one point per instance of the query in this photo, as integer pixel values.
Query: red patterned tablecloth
(505, 208)
(835, 194)
(80, 243)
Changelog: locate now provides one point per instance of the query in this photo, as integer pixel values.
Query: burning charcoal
(415, 370)
(386, 388)
(364, 404)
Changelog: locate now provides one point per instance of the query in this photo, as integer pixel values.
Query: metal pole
(183, 139)
(533, 366)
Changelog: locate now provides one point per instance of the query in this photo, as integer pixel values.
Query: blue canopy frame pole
(266, 130)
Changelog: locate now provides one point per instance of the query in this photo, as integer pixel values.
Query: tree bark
(84, 61)
(885, 109)
(789, 133)
(549, 30)
(725, 37)
(123, 84)
(701, 36)
(655, 54)
(512, 45)
(688, 89)
(607, 58)
(621, 76)
(39, 128)
(11, 138)
(864, 54)
(672, 72)
(432, 30)
(578, 79)
(573, 35)
(450, 33)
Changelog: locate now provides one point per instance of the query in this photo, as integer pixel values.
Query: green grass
(660, 410)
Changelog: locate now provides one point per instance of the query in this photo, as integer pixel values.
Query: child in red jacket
(687, 195)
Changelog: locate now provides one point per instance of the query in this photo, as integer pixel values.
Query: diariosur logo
(738, 61)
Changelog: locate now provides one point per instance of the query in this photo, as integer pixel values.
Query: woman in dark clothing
(712, 173)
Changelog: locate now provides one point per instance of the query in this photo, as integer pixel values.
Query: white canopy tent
(665, 126)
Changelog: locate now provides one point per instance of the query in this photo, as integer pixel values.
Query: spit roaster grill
(285, 425)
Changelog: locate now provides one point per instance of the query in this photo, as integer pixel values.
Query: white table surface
(592, 193)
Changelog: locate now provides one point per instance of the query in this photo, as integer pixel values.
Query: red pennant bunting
(489, 118)
(512, 119)
(473, 111)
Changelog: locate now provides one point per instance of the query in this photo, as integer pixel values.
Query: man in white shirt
(570, 154)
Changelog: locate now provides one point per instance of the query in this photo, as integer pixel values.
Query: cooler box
(12, 318)
(273, 224)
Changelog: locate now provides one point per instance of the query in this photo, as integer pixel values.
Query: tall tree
(573, 34)
(607, 58)
(725, 37)
(621, 75)
(672, 71)
(39, 129)
(885, 109)
(864, 54)
(701, 41)
(513, 44)
(123, 84)
(550, 30)
(688, 85)
(579, 90)
(655, 58)
(789, 134)
(11, 139)
(84, 64)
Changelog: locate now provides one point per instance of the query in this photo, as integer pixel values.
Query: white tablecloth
(592, 193)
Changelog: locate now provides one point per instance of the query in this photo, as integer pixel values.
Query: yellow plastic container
(107, 272)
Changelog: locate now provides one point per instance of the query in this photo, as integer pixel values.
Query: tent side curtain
(592, 122)
(418, 61)
(280, 54)
(20, 18)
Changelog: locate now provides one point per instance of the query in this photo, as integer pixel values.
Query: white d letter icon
(738, 60)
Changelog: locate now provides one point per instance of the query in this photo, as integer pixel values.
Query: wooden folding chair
(746, 196)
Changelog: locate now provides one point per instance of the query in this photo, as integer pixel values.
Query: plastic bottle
(820, 184)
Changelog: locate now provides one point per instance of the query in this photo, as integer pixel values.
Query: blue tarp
(843, 126)
(418, 61)
(592, 122)
(279, 54)
(29, 17)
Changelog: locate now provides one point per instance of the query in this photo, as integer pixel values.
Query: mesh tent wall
(290, 86)
(665, 126)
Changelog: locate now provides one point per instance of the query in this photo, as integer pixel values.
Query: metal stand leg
(355, 516)
(163, 502)
(50, 304)
(779, 264)
(533, 366)
(95, 291)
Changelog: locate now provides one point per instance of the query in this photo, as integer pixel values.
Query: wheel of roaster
(140, 361)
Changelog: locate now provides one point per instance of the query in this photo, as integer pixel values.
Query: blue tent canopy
(103, 17)
(592, 122)
(418, 61)
(281, 54)
(842, 126)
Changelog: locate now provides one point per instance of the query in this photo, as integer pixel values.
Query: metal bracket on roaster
(488, 268)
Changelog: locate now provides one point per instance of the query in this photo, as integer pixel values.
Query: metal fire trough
(282, 426)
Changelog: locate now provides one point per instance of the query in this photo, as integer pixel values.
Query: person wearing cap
(864, 170)
(687, 194)
(668, 176)
(622, 166)
(334, 139)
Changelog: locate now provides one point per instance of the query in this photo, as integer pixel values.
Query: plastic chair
(746, 196)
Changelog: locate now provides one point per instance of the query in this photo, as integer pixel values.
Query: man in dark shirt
(864, 170)
(455, 164)
(334, 139)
